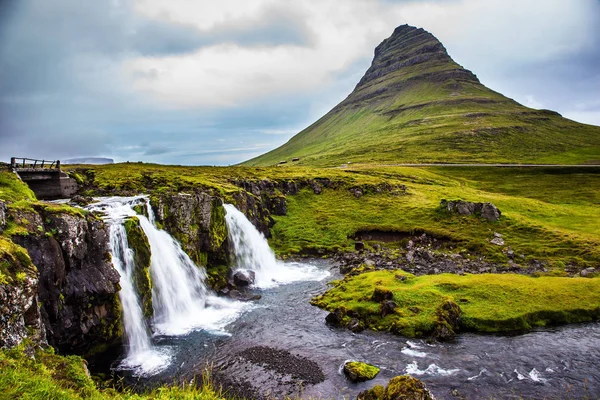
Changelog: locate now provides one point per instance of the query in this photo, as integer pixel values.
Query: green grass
(54, 377)
(548, 214)
(489, 302)
(13, 189)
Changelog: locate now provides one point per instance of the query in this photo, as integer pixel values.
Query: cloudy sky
(218, 82)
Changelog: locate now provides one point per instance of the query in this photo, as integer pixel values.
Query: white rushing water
(142, 357)
(252, 252)
(181, 302)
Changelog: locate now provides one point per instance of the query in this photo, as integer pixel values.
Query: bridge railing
(31, 163)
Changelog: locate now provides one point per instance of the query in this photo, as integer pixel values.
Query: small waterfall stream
(252, 252)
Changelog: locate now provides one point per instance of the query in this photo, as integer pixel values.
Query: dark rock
(78, 286)
(278, 206)
(359, 246)
(197, 221)
(448, 319)
(487, 211)
(81, 200)
(381, 294)
(317, 189)
(387, 307)
(335, 318)
(356, 192)
(355, 325)
(235, 294)
(243, 277)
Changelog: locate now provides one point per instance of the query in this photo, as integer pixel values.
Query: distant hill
(88, 160)
(416, 105)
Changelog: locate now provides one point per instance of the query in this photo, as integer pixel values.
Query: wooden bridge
(44, 177)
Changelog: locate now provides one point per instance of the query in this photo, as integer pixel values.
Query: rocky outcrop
(138, 242)
(78, 285)
(2, 216)
(19, 307)
(487, 211)
(197, 221)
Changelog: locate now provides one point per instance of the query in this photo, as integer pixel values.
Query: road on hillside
(477, 165)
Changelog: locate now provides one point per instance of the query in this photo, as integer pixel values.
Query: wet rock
(357, 371)
(235, 294)
(243, 277)
(381, 294)
(387, 307)
(402, 387)
(448, 319)
(81, 200)
(336, 317)
(355, 325)
(197, 221)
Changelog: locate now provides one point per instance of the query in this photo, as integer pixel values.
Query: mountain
(89, 160)
(417, 105)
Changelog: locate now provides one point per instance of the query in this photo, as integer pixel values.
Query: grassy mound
(489, 302)
(53, 377)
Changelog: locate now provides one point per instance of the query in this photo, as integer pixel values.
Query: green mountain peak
(415, 104)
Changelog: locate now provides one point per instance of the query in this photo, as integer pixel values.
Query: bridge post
(58, 165)
(13, 162)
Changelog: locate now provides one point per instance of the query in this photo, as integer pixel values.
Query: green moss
(12, 189)
(15, 264)
(358, 371)
(489, 302)
(51, 376)
(406, 387)
(217, 276)
(138, 242)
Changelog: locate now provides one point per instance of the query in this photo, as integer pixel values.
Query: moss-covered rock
(402, 387)
(138, 242)
(358, 371)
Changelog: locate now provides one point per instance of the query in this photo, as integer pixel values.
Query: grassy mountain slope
(415, 104)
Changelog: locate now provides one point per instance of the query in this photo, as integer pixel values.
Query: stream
(280, 346)
(553, 363)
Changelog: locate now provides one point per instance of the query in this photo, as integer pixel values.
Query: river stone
(360, 372)
(402, 387)
(335, 318)
(244, 277)
(355, 325)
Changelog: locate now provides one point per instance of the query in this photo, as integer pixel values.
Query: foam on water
(432, 369)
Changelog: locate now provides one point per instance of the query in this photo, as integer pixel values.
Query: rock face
(487, 211)
(19, 307)
(2, 215)
(197, 221)
(138, 242)
(78, 285)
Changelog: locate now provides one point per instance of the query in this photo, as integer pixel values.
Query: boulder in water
(243, 278)
(359, 371)
(400, 387)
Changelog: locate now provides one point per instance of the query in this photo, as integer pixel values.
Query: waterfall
(141, 357)
(178, 293)
(181, 302)
(251, 251)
